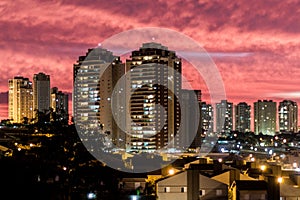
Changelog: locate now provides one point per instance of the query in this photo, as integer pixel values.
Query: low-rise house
(248, 190)
(190, 185)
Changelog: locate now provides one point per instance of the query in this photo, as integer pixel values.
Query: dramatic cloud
(256, 45)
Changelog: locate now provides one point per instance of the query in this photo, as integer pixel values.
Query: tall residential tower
(60, 105)
(191, 116)
(265, 117)
(242, 117)
(154, 107)
(95, 76)
(41, 93)
(20, 100)
(224, 116)
(207, 118)
(288, 116)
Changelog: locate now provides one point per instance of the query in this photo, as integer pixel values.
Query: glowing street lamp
(263, 167)
(171, 171)
(279, 179)
(91, 195)
(284, 140)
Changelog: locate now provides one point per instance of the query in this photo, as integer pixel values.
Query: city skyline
(4, 106)
(285, 113)
(41, 84)
(32, 101)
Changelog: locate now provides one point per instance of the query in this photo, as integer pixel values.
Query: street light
(263, 167)
(284, 140)
(91, 195)
(279, 179)
(134, 197)
(171, 171)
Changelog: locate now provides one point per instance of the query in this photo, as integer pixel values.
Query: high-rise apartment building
(190, 119)
(154, 107)
(93, 87)
(207, 118)
(242, 117)
(224, 116)
(41, 93)
(288, 116)
(60, 105)
(265, 117)
(20, 100)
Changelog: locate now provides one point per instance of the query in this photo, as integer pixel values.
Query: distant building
(207, 118)
(265, 117)
(288, 116)
(41, 93)
(59, 105)
(93, 87)
(242, 117)
(153, 127)
(20, 100)
(191, 130)
(224, 116)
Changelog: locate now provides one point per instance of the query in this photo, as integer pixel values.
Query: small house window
(202, 192)
(167, 189)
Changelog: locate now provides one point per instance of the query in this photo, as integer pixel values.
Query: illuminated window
(202, 192)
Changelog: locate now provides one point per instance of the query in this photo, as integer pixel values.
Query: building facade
(249, 189)
(191, 128)
(190, 185)
(224, 116)
(207, 118)
(154, 107)
(60, 105)
(95, 76)
(288, 116)
(20, 100)
(242, 117)
(41, 93)
(265, 117)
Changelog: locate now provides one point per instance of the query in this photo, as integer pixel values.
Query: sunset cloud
(255, 45)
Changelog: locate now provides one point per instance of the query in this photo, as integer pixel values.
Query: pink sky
(255, 44)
